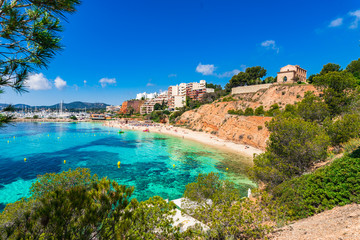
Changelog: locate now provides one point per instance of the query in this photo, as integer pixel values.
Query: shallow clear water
(147, 159)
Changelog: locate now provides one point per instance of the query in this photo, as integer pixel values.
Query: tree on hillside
(330, 67)
(29, 38)
(294, 146)
(312, 108)
(338, 89)
(251, 76)
(269, 80)
(216, 87)
(354, 68)
(157, 106)
(256, 72)
(241, 79)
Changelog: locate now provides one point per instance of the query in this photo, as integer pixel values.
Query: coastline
(201, 137)
(55, 120)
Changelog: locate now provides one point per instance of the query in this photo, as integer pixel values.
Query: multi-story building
(291, 74)
(194, 90)
(176, 94)
(149, 105)
(179, 101)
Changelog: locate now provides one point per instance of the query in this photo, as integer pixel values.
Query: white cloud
(76, 87)
(105, 81)
(172, 75)
(85, 82)
(336, 23)
(60, 83)
(270, 44)
(37, 81)
(355, 23)
(207, 69)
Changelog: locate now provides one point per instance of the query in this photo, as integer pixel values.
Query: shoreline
(56, 120)
(201, 137)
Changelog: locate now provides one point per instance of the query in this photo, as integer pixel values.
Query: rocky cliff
(214, 117)
(132, 106)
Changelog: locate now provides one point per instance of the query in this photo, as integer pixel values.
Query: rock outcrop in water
(251, 130)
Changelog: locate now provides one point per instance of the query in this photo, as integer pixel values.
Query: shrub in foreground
(219, 205)
(333, 185)
(76, 205)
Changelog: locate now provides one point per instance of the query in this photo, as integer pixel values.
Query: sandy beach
(205, 138)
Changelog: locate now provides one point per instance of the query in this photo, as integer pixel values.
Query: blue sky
(115, 49)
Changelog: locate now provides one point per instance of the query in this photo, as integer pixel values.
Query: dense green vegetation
(251, 76)
(334, 185)
(220, 206)
(307, 133)
(77, 205)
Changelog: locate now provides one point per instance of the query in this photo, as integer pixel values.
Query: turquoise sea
(147, 159)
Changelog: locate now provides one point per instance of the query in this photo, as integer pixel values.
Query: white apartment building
(194, 90)
(179, 101)
(148, 106)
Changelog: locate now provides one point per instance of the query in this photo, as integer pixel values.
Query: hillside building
(148, 105)
(194, 90)
(291, 74)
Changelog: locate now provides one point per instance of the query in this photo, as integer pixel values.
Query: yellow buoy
(8, 141)
(24, 159)
(173, 165)
(14, 136)
(118, 164)
(227, 169)
(64, 161)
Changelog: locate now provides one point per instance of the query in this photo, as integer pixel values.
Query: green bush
(239, 112)
(249, 112)
(312, 108)
(343, 129)
(294, 146)
(333, 185)
(228, 99)
(259, 111)
(273, 111)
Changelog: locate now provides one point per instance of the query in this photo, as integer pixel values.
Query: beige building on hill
(291, 74)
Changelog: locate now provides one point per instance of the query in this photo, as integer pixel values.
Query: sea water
(154, 164)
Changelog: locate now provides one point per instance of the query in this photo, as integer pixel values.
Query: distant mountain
(74, 105)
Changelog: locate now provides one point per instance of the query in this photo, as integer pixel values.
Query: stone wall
(250, 89)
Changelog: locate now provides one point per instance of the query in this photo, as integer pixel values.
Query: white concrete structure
(185, 221)
(250, 89)
(179, 101)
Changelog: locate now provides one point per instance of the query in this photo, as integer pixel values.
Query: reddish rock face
(251, 130)
(132, 105)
